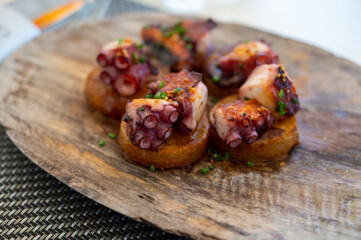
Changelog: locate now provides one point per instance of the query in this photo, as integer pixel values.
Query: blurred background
(33, 203)
(333, 25)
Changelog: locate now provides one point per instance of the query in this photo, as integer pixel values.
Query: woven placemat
(35, 205)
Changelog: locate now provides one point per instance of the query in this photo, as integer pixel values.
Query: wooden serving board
(317, 194)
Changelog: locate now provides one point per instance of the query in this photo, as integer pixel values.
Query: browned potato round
(273, 145)
(181, 149)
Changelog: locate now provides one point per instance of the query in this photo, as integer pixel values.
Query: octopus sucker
(233, 138)
(124, 65)
(241, 121)
(143, 138)
(150, 121)
(170, 114)
(121, 62)
(164, 130)
(176, 100)
(271, 86)
(108, 75)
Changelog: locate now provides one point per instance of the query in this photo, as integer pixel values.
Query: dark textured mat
(34, 205)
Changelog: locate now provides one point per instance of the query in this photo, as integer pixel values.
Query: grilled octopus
(241, 121)
(178, 99)
(231, 67)
(124, 66)
(271, 86)
(187, 42)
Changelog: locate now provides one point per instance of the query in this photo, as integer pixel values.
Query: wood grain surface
(316, 195)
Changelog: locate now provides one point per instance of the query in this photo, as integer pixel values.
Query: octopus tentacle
(143, 138)
(158, 143)
(147, 128)
(124, 66)
(126, 85)
(233, 65)
(180, 101)
(189, 92)
(184, 41)
(164, 130)
(242, 121)
(169, 114)
(105, 58)
(233, 138)
(121, 62)
(151, 121)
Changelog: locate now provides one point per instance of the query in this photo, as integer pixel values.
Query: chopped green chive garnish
(135, 57)
(159, 44)
(186, 38)
(167, 32)
(295, 101)
(160, 95)
(281, 108)
(161, 84)
(189, 46)
(177, 90)
(246, 98)
(142, 109)
(250, 164)
(143, 58)
(101, 143)
(214, 99)
(216, 78)
(204, 171)
(179, 28)
(152, 168)
(246, 41)
(211, 167)
(244, 114)
(149, 95)
(240, 66)
(120, 41)
(281, 94)
(147, 27)
(140, 45)
(112, 135)
(217, 156)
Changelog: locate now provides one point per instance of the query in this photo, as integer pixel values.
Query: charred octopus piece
(124, 65)
(178, 99)
(242, 121)
(186, 41)
(231, 67)
(271, 86)
(188, 91)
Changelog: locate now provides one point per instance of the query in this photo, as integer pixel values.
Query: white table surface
(334, 25)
